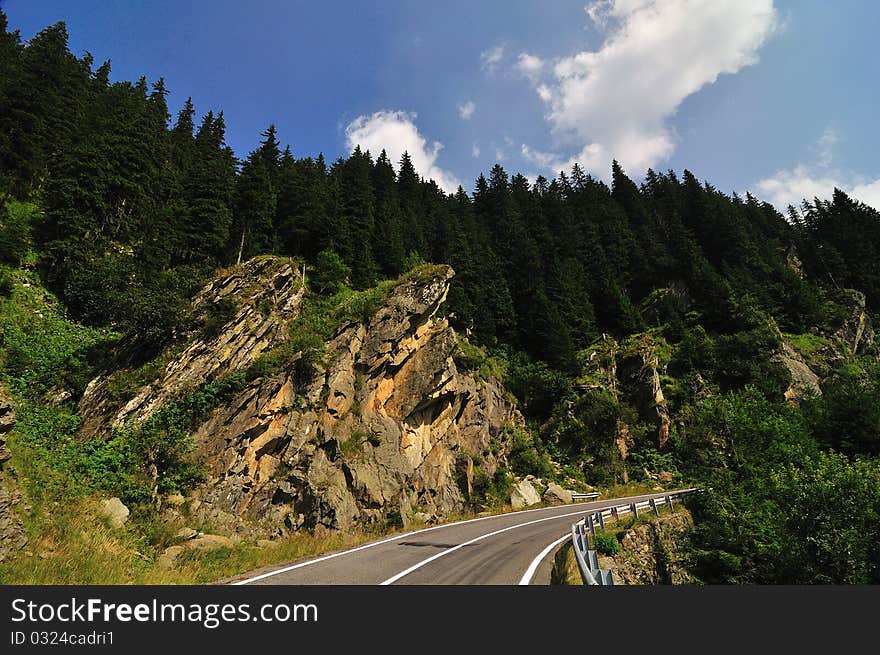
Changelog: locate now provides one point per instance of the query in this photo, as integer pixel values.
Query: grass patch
(473, 358)
(39, 347)
(807, 344)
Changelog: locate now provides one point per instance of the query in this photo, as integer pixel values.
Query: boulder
(557, 495)
(209, 542)
(524, 495)
(186, 533)
(114, 511)
(166, 560)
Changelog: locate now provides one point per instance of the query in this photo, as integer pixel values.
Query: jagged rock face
(264, 294)
(803, 379)
(857, 330)
(651, 553)
(12, 534)
(641, 371)
(387, 424)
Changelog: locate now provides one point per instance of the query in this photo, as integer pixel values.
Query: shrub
(331, 273)
(15, 231)
(606, 544)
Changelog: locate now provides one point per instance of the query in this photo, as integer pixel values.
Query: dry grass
(76, 546)
(565, 569)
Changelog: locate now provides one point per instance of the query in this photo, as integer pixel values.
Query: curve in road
(512, 548)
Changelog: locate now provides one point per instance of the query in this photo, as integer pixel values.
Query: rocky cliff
(383, 426)
(12, 534)
(651, 553)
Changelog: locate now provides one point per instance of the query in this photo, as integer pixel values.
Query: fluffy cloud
(791, 187)
(489, 59)
(475, 150)
(818, 180)
(615, 102)
(466, 110)
(396, 133)
(530, 65)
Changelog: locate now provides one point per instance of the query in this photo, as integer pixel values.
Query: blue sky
(774, 96)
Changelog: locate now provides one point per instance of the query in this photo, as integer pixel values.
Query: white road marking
(416, 567)
(530, 572)
(395, 538)
(584, 508)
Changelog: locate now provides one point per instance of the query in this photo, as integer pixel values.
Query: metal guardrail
(583, 530)
(592, 494)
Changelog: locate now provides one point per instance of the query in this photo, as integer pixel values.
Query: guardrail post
(601, 519)
(614, 513)
(669, 502)
(591, 524)
(654, 507)
(634, 510)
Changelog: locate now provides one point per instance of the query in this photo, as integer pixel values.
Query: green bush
(15, 231)
(525, 458)
(606, 544)
(331, 273)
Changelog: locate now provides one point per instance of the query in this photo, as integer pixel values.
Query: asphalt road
(496, 549)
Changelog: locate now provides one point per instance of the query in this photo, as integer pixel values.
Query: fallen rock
(166, 560)
(209, 542)
(524, 495)
(557, 495)
(114, 511)
(186, 534)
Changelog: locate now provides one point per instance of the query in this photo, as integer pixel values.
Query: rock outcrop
(385, 426)
(857, 331)
(650, 554)
(12, 534)
(803, 379)
(262, 295)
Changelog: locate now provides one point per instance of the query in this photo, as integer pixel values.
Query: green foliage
(606, 544)
(331, 273)
(525, 458)
(814, 522)
(847, 415)
(15, 231)
(40, 348)
(807, 344)
(474, 358)
(536, 385)
(583, 431)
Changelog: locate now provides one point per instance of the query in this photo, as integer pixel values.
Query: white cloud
(868, 193)
(466, 110)
(475, 150)
(818, 180)
(791, 187)
(530, 65)
(615, 102)
(489, 59)
(825, 146)
(396, 133)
